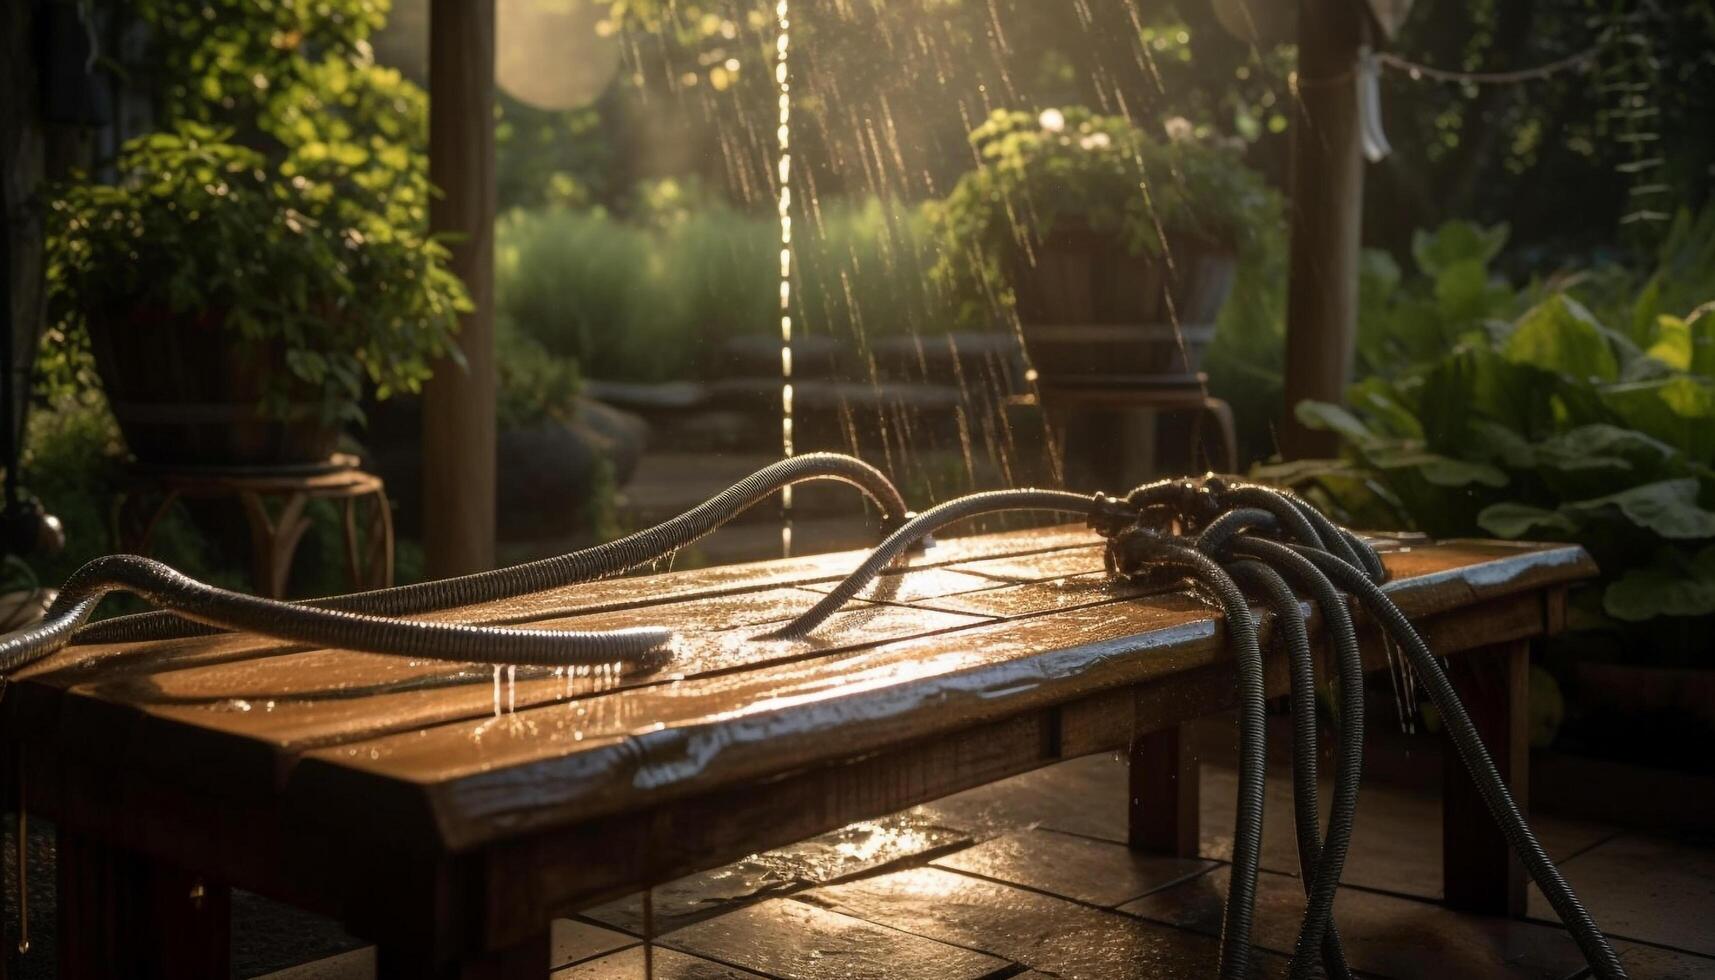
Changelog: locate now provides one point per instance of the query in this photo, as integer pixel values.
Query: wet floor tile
(1396, 839)
(664, 964)
(1091, 871)
(1655, 889)
(859, 847)
(1383, 934)
(570, 941)
(1082, 796)
(1049, 934)
(356, 964)
(1655, 963)
(796, 941)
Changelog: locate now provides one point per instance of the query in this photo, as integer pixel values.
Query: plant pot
(186, 390)
(1093, 314)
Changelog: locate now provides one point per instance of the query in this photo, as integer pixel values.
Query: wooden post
(1479, 871)
(1164, 794)
(458, 406)
(1327, 210)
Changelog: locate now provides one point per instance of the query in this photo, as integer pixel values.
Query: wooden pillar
(1164, 794)
(123, 914)
(458, 405)
(1479, 871)
(1327, 209)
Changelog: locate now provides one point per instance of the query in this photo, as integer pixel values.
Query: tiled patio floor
(1030, 878)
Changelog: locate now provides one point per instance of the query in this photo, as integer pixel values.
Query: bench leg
(116, 906)
(1478, 869)
(1164, 794)
(415, 958)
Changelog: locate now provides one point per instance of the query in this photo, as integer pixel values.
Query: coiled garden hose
(1597, 952)
(203, 603)
(590, 564)
(1262, 534)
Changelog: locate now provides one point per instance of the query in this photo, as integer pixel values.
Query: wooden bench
(449, 816)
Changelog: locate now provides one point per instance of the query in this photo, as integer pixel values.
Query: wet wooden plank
(550, 764)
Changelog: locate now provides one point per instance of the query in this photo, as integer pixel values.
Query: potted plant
(237, 308)
(1115, 249)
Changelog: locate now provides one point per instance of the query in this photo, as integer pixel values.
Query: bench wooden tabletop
(295, 769)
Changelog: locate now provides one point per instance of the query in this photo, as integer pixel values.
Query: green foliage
(652, 299)
(1071, 167)
(534, 384)
(310, 253)
(1552, 424)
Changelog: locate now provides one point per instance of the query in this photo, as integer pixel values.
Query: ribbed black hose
(602, 561)
(1317, 936)
(203, 603)
(1349, 762)
(1342, 544)
(1481, 767)
(923, 525)
(1139, 550)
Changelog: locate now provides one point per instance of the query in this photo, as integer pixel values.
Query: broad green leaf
(1560, 335)
(1333, 418)
(1671, 585)
(1515, 520)
(1669, 410)
(1672, 345)
(1442, 471)
(1667, 507)
(1456, 241)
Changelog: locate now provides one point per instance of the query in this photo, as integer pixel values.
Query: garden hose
(1263, 534)
(922, 526)
(1208, 532)
(203, 603)
(1597, 952)
(602, 561)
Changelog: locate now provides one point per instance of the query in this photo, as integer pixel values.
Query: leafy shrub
(652, 299)
(307, 254)
(1552, 425)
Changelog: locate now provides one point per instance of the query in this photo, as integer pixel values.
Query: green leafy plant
(1553, 424)
(1037, 172)
(308, 253)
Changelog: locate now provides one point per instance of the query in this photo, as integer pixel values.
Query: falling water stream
(783, 143)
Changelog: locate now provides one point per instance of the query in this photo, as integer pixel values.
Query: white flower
(1052, 120)
(1178, 128)
(1095, 141)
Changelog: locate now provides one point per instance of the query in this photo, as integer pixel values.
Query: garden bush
(651, 297)
(1588, 416)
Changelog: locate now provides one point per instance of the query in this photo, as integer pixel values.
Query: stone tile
(1091, 871)
(859, 847)
(356, 964)
(1655, 889)
(1383, 934)
(1082, 796)
(664, 964)
(1655, 963)
(1049, 934)
(797, 941)
(1396, 839)
(571, 941)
